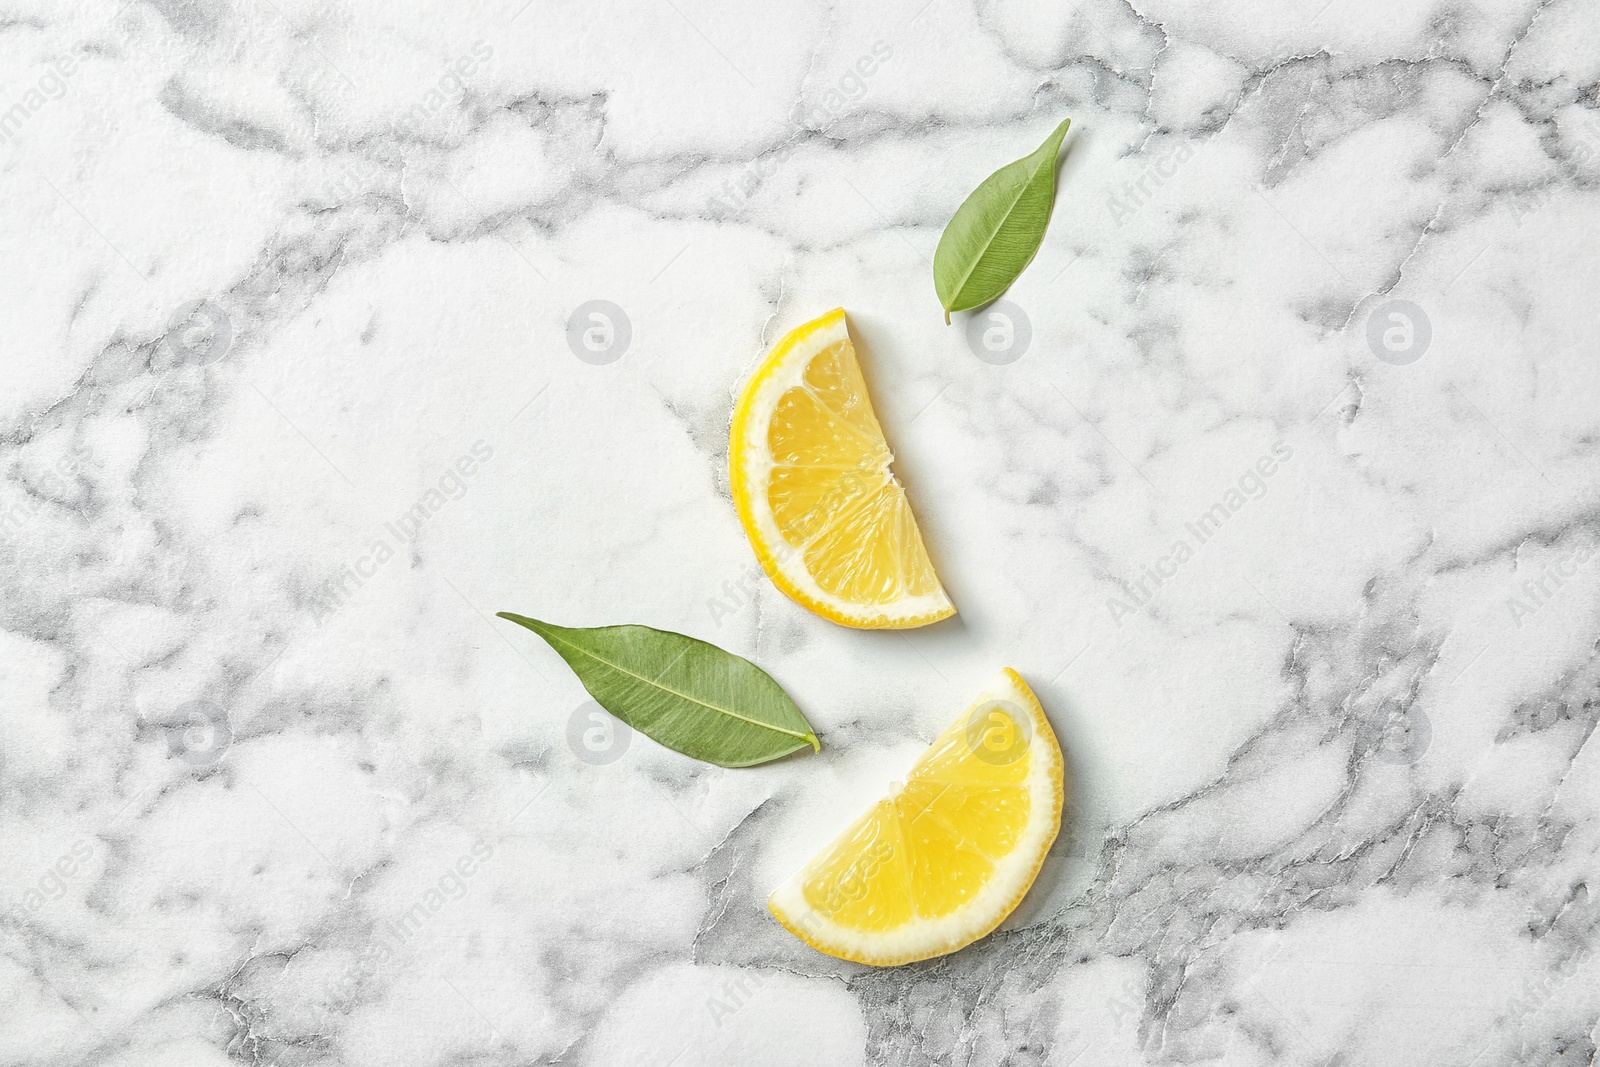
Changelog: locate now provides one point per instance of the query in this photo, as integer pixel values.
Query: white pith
(1013, 874)
(775, 551)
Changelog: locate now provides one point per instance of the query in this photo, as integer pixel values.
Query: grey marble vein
(292, 408)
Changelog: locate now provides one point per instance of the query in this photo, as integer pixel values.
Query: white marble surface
(386, 850)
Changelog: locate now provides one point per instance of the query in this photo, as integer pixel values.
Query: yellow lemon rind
(750, 469)
(920, 938)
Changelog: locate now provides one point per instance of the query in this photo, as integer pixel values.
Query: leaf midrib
(668, 689)
(1021, 189)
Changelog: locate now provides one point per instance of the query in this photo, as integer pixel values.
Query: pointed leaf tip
(998, 229)
(687, 694)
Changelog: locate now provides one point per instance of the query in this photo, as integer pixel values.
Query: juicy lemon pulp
(943, 859)
(811, 478)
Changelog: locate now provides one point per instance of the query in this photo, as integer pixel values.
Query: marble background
(290, 410)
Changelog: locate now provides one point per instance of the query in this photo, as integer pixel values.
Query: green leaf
(689, 695)
(996, 231)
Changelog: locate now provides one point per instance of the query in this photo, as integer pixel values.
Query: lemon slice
(947, 855)
(811, 480)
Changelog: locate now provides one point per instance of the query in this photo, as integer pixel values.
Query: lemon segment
(949, 854)
(811, 478)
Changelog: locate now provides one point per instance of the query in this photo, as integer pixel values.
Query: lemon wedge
(948, 854)
(810, 474)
